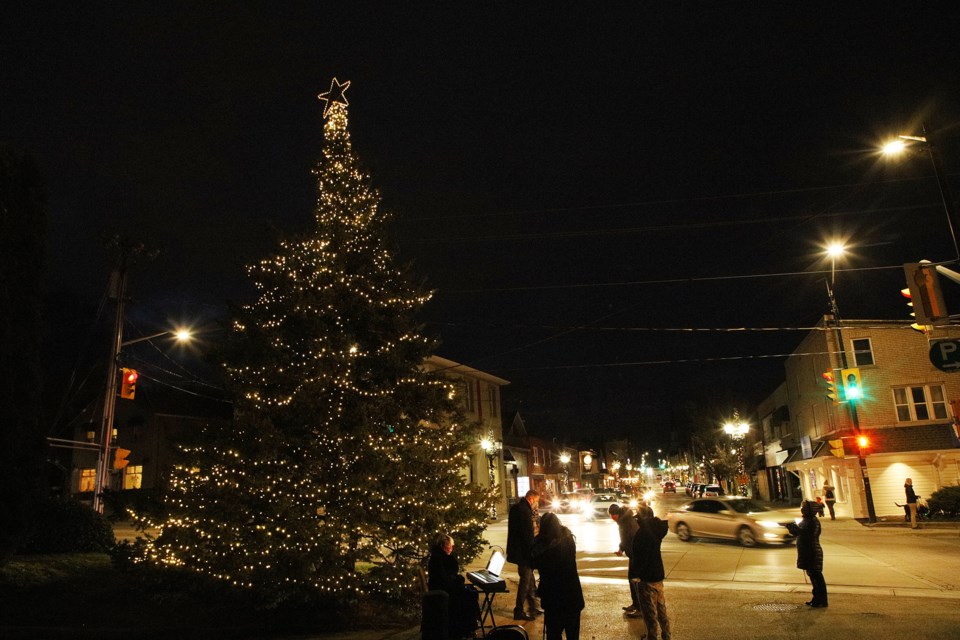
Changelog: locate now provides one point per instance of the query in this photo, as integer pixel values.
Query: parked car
(697, 490)
(733, 518)
(598, 507)
(669, 487)
(688, 489)
(711, 491)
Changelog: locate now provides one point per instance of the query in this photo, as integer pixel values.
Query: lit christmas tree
(344, 458)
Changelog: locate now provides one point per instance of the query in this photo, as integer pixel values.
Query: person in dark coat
(555, 557)
(809, 551)
(647, 574)
(911, 502)
(627, 524)
(519, 544)
(444, 575)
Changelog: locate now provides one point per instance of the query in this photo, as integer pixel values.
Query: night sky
(577, 184)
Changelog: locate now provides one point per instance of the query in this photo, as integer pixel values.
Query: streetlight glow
(836, 249)
(894, 147)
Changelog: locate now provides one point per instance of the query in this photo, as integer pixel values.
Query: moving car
(733, 518)
(669, 487)
(569, 503)
(598, 507)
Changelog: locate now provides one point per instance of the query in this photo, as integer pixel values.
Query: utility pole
(852, 407)
(119, 287)
(127, 254)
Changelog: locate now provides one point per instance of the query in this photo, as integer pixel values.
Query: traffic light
(836, 447)
(120, 458)
(831, 386)
(851, 384)
(863, 442)
(923, 291)
(128, 383)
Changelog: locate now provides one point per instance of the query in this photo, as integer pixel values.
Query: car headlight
(633, 503)
(769, 524)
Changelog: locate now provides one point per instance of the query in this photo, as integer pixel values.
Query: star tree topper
(336, 94)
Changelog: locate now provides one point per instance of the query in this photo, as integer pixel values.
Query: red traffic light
(128, 383)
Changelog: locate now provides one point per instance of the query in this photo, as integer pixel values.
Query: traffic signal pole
(852, 407)
(110, 397)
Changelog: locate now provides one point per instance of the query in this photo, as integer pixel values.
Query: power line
(669, 201)
(688, 279)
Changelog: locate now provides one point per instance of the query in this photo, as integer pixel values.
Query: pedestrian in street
(555, 557)
(627, 523)
(911, 502)
(647, 574)
(809, 551)
(444, 575)
(830, 497)
(519, 544)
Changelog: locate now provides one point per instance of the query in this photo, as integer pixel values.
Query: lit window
(920, 403)
(88, 479)
(862, 352)
(132, 476)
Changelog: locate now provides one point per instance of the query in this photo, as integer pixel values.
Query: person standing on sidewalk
(830, 497)
(647, 574)
(628, 525)
(519, 545)
(911, 502)
(809, 551)
(554, 555)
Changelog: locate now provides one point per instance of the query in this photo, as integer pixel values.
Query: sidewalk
(776, 613)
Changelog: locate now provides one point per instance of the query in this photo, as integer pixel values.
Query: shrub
(945, 502)
(61, 525)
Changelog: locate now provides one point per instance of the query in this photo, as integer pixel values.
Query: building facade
(905, 413)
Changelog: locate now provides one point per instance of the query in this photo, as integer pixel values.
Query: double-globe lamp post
(565, 461)
(491, 447)
(737, 430)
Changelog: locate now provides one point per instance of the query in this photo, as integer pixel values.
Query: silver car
(733, 518)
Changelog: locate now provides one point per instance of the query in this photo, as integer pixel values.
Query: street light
(834, 251)
(491, 448)
(110, 400)
(902, 143)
